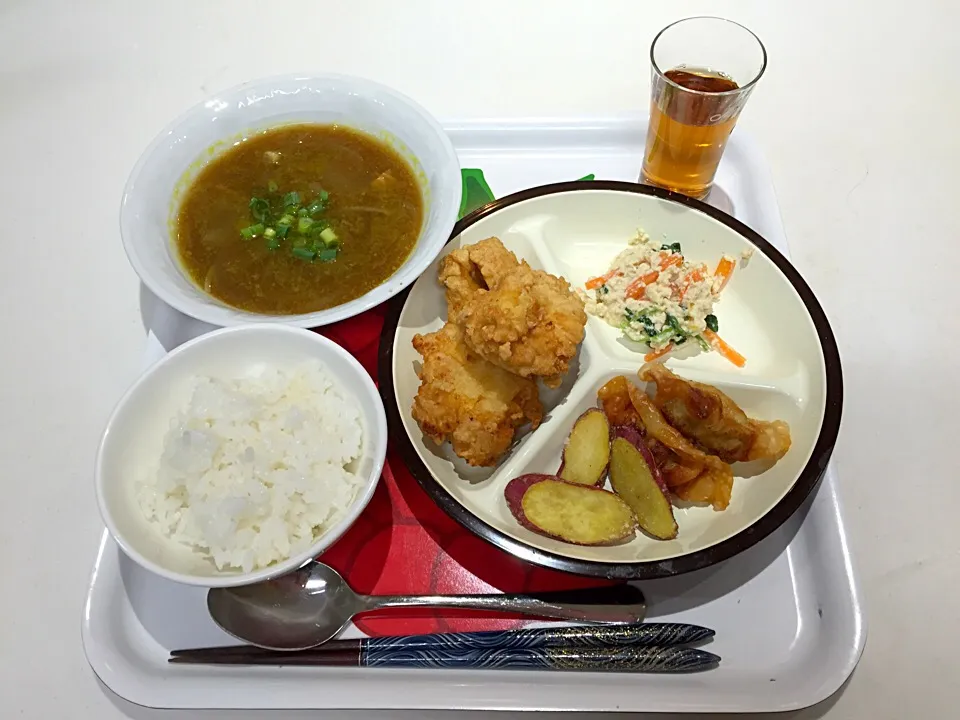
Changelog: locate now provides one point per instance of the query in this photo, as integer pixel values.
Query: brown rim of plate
(809, 477)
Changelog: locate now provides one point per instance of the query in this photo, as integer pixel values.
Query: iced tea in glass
(703, 71)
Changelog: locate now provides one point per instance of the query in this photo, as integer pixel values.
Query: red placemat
(404, 544)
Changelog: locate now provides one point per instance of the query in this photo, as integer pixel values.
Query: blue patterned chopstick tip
(621, 659)
(634, 659)
(581, 636)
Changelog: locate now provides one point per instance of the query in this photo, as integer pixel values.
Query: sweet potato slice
(632, 435)
(587, 450)
(577, 514)
(635, 478)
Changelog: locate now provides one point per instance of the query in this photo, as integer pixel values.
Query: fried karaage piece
(473, 268)
(713, 421)
(524, 320)
(474, 404)
(492, 260)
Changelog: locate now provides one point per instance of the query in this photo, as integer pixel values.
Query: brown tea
(692, 114)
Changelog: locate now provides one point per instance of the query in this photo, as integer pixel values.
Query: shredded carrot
(636, 289)
(651, 356)
(724, 271)
(720, 345)
(695, 275)
(599, 280)
(671, 261)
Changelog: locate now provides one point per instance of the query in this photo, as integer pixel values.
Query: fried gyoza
(615, 400)
(469, 401)
(714, 421)
(690, 473)
(524, 320)
(713, 481)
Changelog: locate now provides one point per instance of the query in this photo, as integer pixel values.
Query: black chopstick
(603, 659)
(636, 634)
(527, 647)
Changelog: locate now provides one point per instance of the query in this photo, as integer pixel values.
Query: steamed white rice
(254, 470)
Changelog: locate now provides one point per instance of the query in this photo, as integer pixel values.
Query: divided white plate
(766, 312)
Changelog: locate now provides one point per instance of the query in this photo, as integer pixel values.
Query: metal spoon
(313, 604)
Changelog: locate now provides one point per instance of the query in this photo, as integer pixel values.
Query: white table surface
(857, 115)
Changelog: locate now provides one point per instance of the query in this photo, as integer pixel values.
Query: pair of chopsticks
(643, 647)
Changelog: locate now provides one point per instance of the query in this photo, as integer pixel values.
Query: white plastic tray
(787, 612)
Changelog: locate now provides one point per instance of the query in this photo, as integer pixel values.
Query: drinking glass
(703, 70)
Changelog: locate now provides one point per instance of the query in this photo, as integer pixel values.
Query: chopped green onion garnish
(259, 208)
(711, 321)
(304, 253)
(311, 238)
(252, 231)
(318, 227)
(318, 205)
(672, 247)
(704, 345)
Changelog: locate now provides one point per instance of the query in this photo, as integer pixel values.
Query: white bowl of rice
(241, 455)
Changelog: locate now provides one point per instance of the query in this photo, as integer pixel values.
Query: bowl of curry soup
(299, 199)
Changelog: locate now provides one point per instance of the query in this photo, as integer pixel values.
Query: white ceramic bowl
(173, 159)
(133, 440)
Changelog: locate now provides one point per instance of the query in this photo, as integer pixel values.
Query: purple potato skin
(515, 490)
